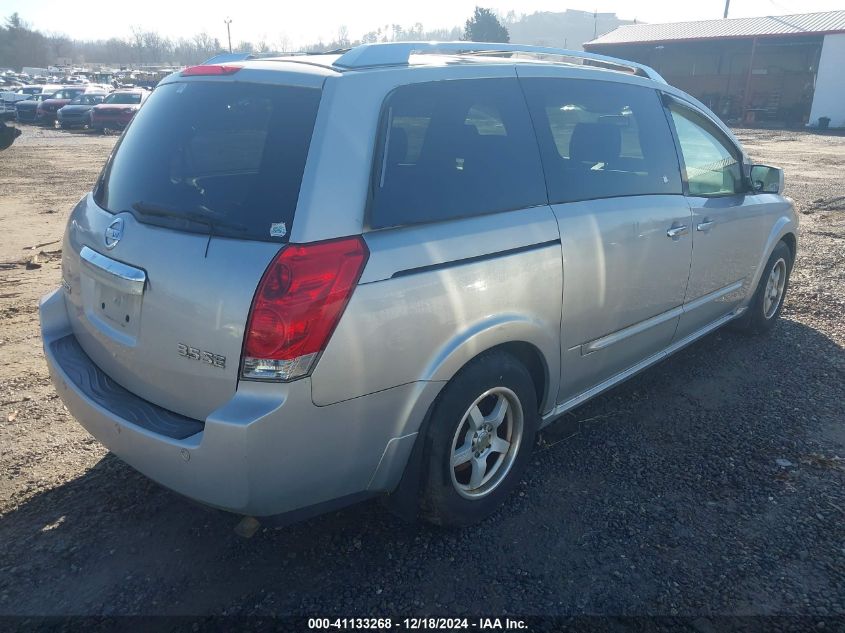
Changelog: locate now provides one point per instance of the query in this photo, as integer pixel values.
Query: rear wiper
(158, 210)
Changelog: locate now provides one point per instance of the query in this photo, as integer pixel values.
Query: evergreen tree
(484, 26)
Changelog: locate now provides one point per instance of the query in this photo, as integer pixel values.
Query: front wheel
(767, 303)
(478, 441)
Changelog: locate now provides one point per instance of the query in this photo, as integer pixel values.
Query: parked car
(77, 113)
(301, 283)
(117, 109)
(45, 113)
(25, 111)
(9, 98)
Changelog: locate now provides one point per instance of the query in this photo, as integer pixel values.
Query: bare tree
(283, 43)
(343, 36)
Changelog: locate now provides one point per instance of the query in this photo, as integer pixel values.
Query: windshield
(214, 157)
(123, 97)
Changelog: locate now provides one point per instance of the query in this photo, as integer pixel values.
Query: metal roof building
(784, 69)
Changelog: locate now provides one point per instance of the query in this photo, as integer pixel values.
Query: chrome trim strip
(642, 326)
(113, 273)
(562, 408)
(631, 330)
(712, 296)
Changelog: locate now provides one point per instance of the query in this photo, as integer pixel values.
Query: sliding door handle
(706, 225)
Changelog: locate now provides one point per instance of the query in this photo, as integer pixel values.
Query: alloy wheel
(486, 443)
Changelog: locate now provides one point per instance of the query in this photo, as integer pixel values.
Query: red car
(45, 114)
(117, 110)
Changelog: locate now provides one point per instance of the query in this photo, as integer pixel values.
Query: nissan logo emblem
(113, 233)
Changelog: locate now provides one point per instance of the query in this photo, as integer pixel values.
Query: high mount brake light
(297, 306)
(209, 70)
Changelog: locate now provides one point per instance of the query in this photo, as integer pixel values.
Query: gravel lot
(711, 484)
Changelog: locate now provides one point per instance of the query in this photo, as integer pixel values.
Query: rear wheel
(478, 441)
(767, 303)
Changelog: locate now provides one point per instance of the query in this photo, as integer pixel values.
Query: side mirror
(765, 179)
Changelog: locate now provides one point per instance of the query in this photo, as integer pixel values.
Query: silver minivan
(304, 281)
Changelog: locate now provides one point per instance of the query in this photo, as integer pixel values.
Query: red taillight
(211, 69)
(297, 306)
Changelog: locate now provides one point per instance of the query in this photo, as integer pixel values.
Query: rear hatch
(162, 260)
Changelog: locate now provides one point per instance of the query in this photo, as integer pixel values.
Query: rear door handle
(677, 231)
(112, 272)
(706, 225)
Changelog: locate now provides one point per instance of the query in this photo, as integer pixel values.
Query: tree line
(21, 45)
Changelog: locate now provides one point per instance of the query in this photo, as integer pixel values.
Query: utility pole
(228, 21)
(727, 6)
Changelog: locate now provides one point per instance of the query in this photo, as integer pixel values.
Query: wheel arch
(792, 242)
(784, 230)
(536, 345)
(402, 500)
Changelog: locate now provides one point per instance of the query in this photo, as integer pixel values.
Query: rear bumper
(268, 451)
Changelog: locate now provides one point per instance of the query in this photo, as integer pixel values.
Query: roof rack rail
(399, 53)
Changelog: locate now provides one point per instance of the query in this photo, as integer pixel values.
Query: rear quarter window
(226, 157)
(455, 148)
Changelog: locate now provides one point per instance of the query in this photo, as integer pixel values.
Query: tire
(767, 303)
(464, 417)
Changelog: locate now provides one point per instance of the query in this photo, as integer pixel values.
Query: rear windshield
(123, 97)
(214, 157)
(87, 99)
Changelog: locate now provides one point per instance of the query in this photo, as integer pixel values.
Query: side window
(712, 167)
(455, 148)
(602, 139)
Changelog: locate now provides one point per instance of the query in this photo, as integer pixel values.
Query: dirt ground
(712, 484)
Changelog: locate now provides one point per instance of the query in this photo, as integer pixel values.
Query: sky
(302, 22)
